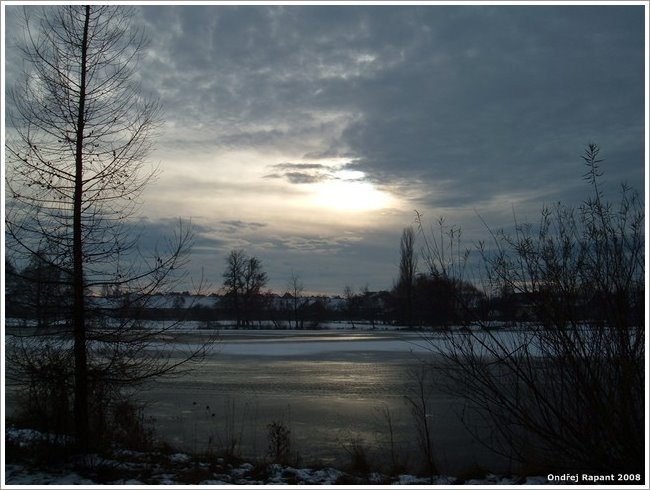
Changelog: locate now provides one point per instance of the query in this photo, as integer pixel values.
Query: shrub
(565, 391)
(45, 397)
(279, 439)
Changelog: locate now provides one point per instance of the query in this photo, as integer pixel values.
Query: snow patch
(179, 458)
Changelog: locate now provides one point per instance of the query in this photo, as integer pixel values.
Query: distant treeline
(39, 294)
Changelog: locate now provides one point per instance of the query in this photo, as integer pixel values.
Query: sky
(308, 135)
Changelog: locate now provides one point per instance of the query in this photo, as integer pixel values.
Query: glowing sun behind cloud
(348, 192)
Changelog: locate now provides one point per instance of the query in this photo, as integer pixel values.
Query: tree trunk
(78, 311)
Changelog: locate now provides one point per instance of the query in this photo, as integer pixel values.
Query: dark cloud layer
(482, 98)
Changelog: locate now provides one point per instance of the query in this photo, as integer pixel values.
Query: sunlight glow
(352, 195)
(349, 174)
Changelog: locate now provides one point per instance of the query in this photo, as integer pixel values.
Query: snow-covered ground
(131, 468)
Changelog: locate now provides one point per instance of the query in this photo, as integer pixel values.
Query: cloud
(481, 98)
(511, 112)
(244, 224)
(300, 166)
(303, 178)
(300, 173)
(316, 244)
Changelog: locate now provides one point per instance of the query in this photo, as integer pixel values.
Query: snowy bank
(132, 468)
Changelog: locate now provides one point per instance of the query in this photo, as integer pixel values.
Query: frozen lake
(331, 388)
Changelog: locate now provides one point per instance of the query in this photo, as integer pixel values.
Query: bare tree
(244, 279)
(255, 278)
(351, 304)
(295, 288)
(566, 390)
(233, 281)
(78, 132)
